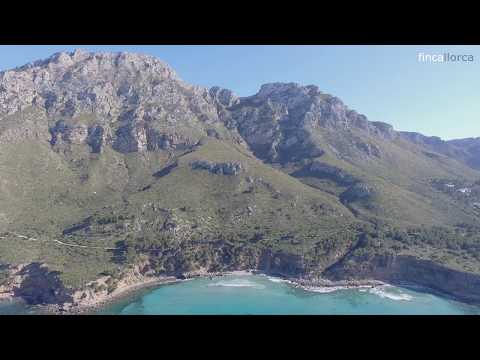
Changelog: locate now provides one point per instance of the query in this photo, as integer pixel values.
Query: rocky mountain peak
(282, 92)
(133, 102)
(137, 103)
(83, 59)
(73, 82)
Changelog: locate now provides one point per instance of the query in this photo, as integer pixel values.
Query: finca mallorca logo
(444, 58)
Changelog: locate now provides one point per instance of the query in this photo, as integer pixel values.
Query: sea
(265, 295)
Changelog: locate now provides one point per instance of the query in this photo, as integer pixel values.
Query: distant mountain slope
(464, 150)
(312, 134)
(108, 161)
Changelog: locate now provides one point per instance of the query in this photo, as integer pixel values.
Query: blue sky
(386, 83)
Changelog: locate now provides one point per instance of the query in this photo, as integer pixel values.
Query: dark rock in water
(229, 168)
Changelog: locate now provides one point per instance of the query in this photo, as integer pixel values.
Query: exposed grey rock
(228, 168)
(340, 176)
(133, 94)
(384, 130)
(96, 138)
(282, 121)
(224, 97)
(141, 105)
(130, 139)
(369, 149)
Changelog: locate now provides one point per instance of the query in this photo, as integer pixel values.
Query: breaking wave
(325, 289)
(277, 280)
(383, 293)
(237, 283)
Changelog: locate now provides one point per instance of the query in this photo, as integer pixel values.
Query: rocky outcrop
(224, 97)
(169, 141)
(131, 96)
(282, 264)
(359, 191)
(326, 171)
(130, 139)
(382, 129)
(139, 101)
(228, 168)
(368, 148)
(67, 133)
(282, 123)
(73, 83)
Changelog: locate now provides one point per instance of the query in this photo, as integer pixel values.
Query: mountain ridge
(66, 60)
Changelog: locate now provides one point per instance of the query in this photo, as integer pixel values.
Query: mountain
(110, 165)
(464, 150)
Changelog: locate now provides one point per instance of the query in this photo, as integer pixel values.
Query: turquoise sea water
(9, 308)
(257, 294)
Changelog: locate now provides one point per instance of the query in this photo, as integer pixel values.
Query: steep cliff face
(282, 122)
(413, 271)
(136, 102)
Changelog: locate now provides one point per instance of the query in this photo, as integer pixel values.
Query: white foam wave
(325, 289)
(277, 280)
(381, 291)
(238, 283)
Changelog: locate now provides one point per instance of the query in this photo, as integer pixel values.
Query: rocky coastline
(135, 282)
(38, 287)
(100, 302)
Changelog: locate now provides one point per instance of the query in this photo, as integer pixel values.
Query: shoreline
(94, 305)
(117, 295)
(319, 286)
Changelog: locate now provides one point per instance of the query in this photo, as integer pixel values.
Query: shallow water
(14, 308)
(254, 294)
(257, 294)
